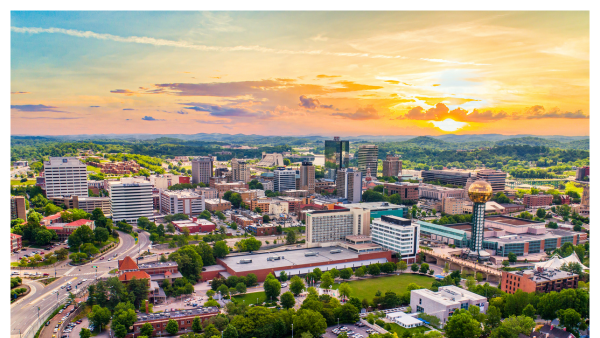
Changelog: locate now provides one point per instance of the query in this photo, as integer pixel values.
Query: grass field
(570, 186)
(18, 182)
(94, 169)
(367, 288)
(250, 298)
(400, 330)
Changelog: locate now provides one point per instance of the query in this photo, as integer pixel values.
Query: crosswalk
(81, 274)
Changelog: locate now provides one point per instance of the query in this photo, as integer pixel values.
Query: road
(24, 312)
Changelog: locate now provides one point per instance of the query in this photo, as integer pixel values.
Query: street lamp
(292, 330)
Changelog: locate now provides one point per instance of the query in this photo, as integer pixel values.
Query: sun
(449, 124)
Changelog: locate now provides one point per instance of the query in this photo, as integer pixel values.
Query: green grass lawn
(250, 298)
(18, 182)
(400, 330)
(94, 169)
(367, 288)
(570, 186)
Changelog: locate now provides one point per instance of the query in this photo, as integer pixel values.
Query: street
(45, 297)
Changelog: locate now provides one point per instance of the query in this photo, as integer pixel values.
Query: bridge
(555, 182)
(467, 267)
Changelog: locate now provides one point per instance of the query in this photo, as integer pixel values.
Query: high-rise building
(130, 199)
(307, 177)
(332, 226)
(349, 185)
(17, 208)
(240, 171)
(479, 193)
(392, 166)
(202, 169)
(65, 176)
(584, 208)
(284, 179)
(458, 178)
(367, 159)
(397, 234)
(496, 178)
(337, 156)
(582, 172)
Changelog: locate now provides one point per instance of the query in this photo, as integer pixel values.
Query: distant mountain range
(448, 141)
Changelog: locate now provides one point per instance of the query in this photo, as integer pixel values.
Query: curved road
(24, 312)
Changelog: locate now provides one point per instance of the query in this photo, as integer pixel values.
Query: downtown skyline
(300, 73)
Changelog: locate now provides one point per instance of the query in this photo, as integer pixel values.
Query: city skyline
(300, 73)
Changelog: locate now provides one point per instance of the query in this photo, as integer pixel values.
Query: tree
(512, 326)
(101, 234)
(248, 244)
(172, 327)
(283, 276)
(529, 311)
(85, 333)
(272, 288)
(402, 266)
(414, 267)
(541, 213)
(197, 325)
(220, 249)
(146, 330)
(505, 263)
(326, 280)
(424, 268)
(360, 272)
(512, 257)
(347, 313)
(287, 300)
(120, 330)
(374, 269)
(345, 290)
(240, 288)
(138, 289)
(99, 316)
(471, 282)
(494, 317)
(296, 285)
(571, 320)
(251, 279)
(43, 237)
(309, 321)
(230, 332)
(89, 249)
(290, 237)
(346, 273)
(462, 325)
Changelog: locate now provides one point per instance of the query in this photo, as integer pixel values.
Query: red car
(41, 253)
(101, 258)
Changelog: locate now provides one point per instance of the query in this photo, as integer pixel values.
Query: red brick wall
(209, 275)
(184, 179)
(162, 323)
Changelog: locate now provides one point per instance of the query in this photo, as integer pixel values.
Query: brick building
(262, 230)
(407, 191)
(64, 230)
(184, 320)
(17, 208)
(539, 280)
(195, 225)
(16, 242)
(540, 200)
(117, 168)
(214, 205)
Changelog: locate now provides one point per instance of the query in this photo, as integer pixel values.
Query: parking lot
(15, 257)
(352, 331)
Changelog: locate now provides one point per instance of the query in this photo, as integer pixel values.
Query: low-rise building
(16, 242)
(242, 221)
(87, 204)
(195, 225)
(445, 301)
(214, 205)
(262, 229)
(510, 208)
(407, 191)
(453, 206)
(294, 203)
(296, 193)
(278, 207)
(378, 209)
(208, 193)
(181, 202)
(64, 230)
(491, 207)
(184, 320)
(223, 187)
(540, 200)
(538, 280)
(437, 192)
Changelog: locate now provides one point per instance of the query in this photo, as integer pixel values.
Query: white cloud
(319, 37)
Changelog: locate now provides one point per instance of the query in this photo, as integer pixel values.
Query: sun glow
(449, 124)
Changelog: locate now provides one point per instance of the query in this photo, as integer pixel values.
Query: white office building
(65, 176)
(330, 227)
(130, 199)
(446, 301)
(284, 179)
(397, 234)
(181, 202)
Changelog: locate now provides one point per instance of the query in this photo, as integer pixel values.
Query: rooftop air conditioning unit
(245, 261)
(335, 251)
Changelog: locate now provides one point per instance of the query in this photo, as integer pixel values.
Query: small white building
(405, 320)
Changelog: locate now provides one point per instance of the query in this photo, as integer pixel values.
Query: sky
(300, 73)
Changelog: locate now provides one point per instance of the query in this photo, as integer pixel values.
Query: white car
(284, 285)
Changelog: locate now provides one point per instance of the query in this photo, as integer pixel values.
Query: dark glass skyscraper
(337, 156)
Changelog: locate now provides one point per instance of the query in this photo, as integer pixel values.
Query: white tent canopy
(555, 262)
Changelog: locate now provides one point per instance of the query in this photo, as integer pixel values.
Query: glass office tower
(337, 156)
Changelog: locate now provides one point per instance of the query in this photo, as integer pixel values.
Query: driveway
(85, 323)
(351, 327)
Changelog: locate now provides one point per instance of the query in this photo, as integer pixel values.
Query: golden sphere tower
(479, 193)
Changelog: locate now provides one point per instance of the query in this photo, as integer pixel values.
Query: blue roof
(423, 320)
(439, 276)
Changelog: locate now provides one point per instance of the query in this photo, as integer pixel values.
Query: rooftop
(544, 275)
(127, 276)
(156, 265)
(176, 314)
(375, 205)
(78, 223)
(127, 263)
(289, 258)
(181, 193)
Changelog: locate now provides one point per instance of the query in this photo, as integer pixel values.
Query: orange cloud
(450, 100)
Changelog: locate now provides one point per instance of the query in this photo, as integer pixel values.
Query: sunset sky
(300, 73)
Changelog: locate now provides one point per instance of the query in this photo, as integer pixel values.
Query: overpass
(464, 266)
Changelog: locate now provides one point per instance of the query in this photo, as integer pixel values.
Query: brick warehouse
(300, 262)
(184, 319)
